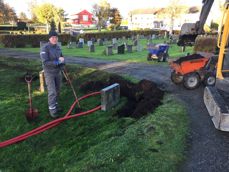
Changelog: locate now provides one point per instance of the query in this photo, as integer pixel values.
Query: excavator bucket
(187, 35)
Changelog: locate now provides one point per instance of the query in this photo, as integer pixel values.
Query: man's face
(53, 40)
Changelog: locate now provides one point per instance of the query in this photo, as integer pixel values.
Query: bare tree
(7, 13)
(1, 11)
(31, 9)
(22, 16)
(173, 11)
(101, 12)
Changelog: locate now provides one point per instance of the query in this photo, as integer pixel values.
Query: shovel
(63, 70)
(31, 113)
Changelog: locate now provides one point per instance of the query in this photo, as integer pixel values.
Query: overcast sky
(74, 6)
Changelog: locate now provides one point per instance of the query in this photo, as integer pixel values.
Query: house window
(85, 17)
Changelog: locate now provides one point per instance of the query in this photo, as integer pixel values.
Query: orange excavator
(192, 70)
(216, 96)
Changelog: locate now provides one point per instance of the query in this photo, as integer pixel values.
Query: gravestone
(133, 37)
(138, 37)
(110, 96)
(115, 46)
(105, 41)
(109, 50)
(80, 45)
(150, 41)
(93, 40)
(89, 43)
(135, 42)
(121, 49)
(129, 48)
(114, 40)
(92, 48)
(153, 36)
(100, 42)
(139, 48)
(165, 35)
(59, 43)
(81, 40)
(42, 43)
(72, 45)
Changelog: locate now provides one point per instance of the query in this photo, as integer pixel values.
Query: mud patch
(143, 97)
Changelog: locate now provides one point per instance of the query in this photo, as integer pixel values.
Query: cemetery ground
(207, 148)
(135, 56)
(115, 140)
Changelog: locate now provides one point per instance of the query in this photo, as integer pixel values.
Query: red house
(83, 18)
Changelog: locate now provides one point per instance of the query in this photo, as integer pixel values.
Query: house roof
(193, 9)
(190, 10)
(83, 11)
(144, 11)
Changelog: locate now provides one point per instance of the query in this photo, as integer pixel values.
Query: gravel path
(208, 148)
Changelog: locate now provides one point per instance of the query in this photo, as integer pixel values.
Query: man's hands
(61, 60)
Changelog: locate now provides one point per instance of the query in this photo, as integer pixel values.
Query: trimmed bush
(16, 28)
(11, 41)
(118, 34)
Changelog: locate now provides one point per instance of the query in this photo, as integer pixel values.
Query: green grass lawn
(98, 142)
(174, 52)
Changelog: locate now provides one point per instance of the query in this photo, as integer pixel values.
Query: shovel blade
(31, 114)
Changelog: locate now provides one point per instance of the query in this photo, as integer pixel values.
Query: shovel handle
(28, 79)
(70, 83)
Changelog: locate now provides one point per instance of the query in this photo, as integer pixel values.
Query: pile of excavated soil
(205, 43)
(143, 97)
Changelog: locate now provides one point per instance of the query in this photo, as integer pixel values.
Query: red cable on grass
(52, 123)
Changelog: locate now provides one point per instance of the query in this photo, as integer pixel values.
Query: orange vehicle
(193, 69)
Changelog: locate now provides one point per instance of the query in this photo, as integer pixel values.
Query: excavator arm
(216, 98)
(189, 31)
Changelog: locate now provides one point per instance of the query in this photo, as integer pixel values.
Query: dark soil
(188, 58)
(143, 97)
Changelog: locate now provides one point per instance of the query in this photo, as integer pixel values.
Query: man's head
(53, 37)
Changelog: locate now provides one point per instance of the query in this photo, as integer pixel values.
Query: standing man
(52, 60)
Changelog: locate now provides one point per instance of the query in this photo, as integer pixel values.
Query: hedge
(12, 41)
(119, 34)
(15, 28)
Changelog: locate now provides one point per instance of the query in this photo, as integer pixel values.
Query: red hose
(52, 123)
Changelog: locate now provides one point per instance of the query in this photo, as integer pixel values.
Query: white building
(143, 19)
(147, 19)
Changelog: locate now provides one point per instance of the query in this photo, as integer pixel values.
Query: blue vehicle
(158, 52)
